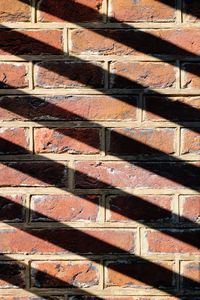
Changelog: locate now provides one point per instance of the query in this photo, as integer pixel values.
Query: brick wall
(99, 149)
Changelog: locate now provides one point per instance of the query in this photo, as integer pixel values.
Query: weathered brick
(190, 139)
(142, 75)
(171, 108)
(70, 11)
(183, 42)
(81, 297)
(191, 76)
(183, 241)
(54, 74)
(32, 174)
(192, 9)
(15, 11)
(190, 208)
(45, 297)
(191, 271)
(12, 208)
(68, 107)
(12, 274)
(136, 141)
(65, 208)
(145, 10)
(13, 75)
(92, 174)
(60, 241)
(71, 140)
(64, 274)
(143, 208)
(139, 274)
(13, 140)
(24, 42)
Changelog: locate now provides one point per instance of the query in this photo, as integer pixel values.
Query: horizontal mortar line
(101, 25)
(68, 257)
(92, 91)
(98, 58)
(65, 157)
(65, 191)
(99, 225)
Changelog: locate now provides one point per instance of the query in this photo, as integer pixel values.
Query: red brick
(13, 140)
(12, 274)
(172, 108)
(93, 174)
(65, 208)
(139, 274)
(71, 140)
(183, 42)
(191, 276)
(15, 11)
(43, 297)
(70, 11)
(142, 75)
(65, 241)
(106, 298)
(191, 76)
(12, 208)
(54, 74)
(190, 140)
(136, 141)
(64, 274)
(145, 10)
(192, 8)
(182, 241)
(24, 42)
(32, 174)
(68, 107)
(190, 208)
(13, 75)
(143, 208)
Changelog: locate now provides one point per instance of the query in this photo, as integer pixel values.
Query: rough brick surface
(12, 208)
(190, 208)
(191, 270)
(13, 75)
(70, 11)
(16, 11)
(12, 274)
(13, 140)
(72, 140)
(145, 10)
(64, 274)
(191, 76)
(65, 208)
(190, 141)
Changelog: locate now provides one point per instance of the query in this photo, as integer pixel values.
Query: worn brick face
(190, 208)
(16, 11)
(13, 140)
(12, 274)
(190, 141)
(64, 274)
(12, 208)
(191, 271)
(13, 75)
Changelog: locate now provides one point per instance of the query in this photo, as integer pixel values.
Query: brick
(145, 10)
(12, 274)
(60, 74)
(24, 42)
(136, 141)
(81, 297)
(15, 11)
(192, 8)
(70, 11)
(190, 139)
(139, 274)
(13, 140)
(13, 75)
(190, 279)
(68, 107)
(12, 208)
(143, 208)
(65, 241)
(190, 208)
(171, 108)
(65, 208)
(32, 174)
(142, 75)
(31, 298)
(93, 174)
(71, 140)
(184, 42)
(64, 274)
(191, 76)
(182, 241)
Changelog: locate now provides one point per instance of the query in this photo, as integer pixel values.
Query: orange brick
(13, 75)
(15, 11)
(190, 140)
